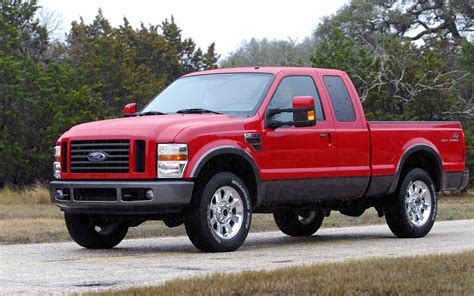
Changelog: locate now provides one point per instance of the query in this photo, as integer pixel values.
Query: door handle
(330, 141)
(330, 138)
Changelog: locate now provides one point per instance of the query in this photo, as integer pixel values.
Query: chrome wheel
(418, 203)
(225, 213)
(306, 218)
(411, 211)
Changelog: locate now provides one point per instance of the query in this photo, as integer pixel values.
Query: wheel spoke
(227, 194)
(216, 198)
(410, 190)
(218, 228)
(228, 229)
(236, 218)
(234, 203)
(418, 189)
(213, 208)
(419, 217)
(423, 191)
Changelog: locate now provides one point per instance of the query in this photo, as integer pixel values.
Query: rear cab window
(340, 99)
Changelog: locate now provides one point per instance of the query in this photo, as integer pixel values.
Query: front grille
(64, 156)
(139, 156)
(117, 156)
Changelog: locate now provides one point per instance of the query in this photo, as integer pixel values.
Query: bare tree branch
(52, 21)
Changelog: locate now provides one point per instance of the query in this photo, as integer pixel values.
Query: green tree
(466, 89)
(45, 88)
(398, 81)
(341, 52)
(38, 104)
(266, 52)
(368, 20)
(131, 65)
(210, 58)
(20, 33)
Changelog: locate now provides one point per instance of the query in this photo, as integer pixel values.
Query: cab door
(297, 160)
(352, 140)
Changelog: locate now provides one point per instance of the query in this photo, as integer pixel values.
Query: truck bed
(444, 137)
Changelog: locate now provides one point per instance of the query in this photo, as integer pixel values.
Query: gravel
(58, 268)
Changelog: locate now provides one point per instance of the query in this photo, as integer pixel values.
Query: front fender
(215, 148)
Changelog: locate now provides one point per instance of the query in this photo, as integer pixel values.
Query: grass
(27, 216)
(37, 194)
(451, 274)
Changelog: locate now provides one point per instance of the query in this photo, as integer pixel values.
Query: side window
(291, 87)
(340, 99)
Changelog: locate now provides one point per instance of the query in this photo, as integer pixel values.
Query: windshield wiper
(196, 111)
(151, 113)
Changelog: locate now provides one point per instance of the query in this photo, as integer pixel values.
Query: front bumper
(120, 196)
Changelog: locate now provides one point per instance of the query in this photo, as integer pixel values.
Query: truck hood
(162, 127)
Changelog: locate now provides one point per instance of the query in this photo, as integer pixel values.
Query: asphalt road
(66, 267)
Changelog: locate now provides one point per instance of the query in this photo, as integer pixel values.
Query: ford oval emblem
(97, 156)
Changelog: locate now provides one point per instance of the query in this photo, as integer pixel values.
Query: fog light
(149, 194)
(59, 194)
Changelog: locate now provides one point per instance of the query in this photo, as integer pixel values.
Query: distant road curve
(65, 267)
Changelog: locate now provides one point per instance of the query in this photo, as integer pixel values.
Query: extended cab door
(351, 139)
(297, 160)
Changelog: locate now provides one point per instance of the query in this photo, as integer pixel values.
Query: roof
(272, 70)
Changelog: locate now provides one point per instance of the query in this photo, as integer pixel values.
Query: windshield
(223, 93)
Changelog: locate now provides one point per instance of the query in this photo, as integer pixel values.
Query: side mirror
(303, 110)
(130, 109)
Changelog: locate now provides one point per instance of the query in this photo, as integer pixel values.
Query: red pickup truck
(216, 146)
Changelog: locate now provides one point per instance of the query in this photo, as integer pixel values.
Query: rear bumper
(120, 196)
(455, 180)
(464, 180)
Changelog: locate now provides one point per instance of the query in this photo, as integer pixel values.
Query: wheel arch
(422, 156)
(235, 160)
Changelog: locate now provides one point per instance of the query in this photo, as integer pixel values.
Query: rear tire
(411, 212)
(95, 232)
(298, 223)
(219, 217)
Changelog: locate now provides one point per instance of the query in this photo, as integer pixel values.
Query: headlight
(172, 160)
(57, 153)
(57, 163)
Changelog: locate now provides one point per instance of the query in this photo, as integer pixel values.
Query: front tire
(411, 212)
(298, 222)
(95, 232)
(220, 215)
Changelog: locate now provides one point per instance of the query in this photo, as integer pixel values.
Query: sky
(227, 23)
